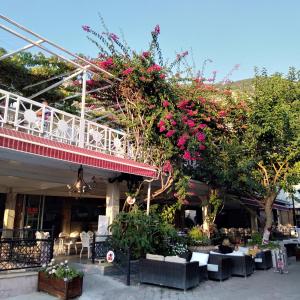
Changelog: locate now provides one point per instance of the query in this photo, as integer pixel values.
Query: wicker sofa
(263, 260)
(241, 265)
(180, 275)
(212, 267)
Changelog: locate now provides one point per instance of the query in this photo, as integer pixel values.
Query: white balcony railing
(23, 114)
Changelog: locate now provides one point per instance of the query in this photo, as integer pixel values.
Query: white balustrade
(26, 115)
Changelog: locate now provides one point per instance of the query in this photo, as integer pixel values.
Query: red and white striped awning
(27, 143)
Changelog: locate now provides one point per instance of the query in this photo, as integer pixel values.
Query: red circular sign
(110, 256)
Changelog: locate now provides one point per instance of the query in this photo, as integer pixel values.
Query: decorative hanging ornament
(130, 200)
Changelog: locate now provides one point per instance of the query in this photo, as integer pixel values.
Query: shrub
(197, 237)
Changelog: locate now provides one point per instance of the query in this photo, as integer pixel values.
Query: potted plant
(60, 280)
(199, 241)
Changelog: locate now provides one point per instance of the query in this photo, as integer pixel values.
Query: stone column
(254, 224)
(9, 213)
(112, 201)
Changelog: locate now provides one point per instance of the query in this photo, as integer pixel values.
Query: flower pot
(58, 287)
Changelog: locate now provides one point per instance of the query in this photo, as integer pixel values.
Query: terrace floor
(262, 285)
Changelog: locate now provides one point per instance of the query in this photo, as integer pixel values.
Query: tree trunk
(269, 200)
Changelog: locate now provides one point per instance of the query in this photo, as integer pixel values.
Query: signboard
(110, 256)
(130, 200)
(102, 225)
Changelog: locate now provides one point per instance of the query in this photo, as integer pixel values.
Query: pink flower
(202, 100)
(154, 68)
(173, 123)
(161, 123)
(106, 64)
(113, 36)
(127, 71)
(169, 116)
(222, 114)
(166, 103)
(142, 78)
(182, 104)
(191, 123)
(202, 126)
(86, 28)
(90, 82)
(167, 167)
(162, 76)
(202, 147)
(156, 30)
(182, 140)
(146, 54)
(200, 137)
(162, 128)
(187, 155)
(170, 133)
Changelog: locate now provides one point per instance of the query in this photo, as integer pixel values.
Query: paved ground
(262, 285)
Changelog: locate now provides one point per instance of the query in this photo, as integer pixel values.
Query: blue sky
(260, 33)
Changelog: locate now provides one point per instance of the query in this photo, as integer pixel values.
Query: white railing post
(17, 112)
(82, 121)
(6, 108)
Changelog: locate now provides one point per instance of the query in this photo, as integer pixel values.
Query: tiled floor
(262, 285)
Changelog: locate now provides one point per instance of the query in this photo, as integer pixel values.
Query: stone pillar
(9, 213)
(205, 212)
(112, 201)
(66, 225)
(254, 224)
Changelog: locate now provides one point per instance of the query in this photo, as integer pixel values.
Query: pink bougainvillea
(182, 140)
(170, 133)
(187, 155)
(127, 71)
(166, 103)
(154, 68)
(169, 116)
(200, 137)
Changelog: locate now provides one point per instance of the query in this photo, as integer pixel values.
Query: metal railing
(17, 251)
(23, 114)
(101, 244)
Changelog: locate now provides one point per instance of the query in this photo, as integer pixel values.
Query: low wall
(17, 283)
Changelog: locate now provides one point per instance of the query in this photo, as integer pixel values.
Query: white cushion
(244, 249)
(258, 260)
(155, 257)
(202, 258)
(175, 259)
(236, 253)
(212, 268)
(212, 252)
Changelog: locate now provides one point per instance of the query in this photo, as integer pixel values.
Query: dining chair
(85, 241)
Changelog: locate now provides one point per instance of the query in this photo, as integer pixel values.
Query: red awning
(27, 143)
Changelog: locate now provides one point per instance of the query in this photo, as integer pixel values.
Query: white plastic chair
(72, 242)
(85, 241)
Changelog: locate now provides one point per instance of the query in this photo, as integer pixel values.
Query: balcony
(25, 115)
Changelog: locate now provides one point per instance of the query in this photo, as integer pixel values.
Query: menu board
(102, 225)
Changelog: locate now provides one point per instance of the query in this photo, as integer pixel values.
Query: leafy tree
(271, 143)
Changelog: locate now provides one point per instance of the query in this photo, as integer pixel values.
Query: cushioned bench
(180, 275)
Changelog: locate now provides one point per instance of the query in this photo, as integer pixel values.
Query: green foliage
(197, 237)
(256, 239)
(144, 234)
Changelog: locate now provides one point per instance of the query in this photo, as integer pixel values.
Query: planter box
(202, 249)
(58, 287)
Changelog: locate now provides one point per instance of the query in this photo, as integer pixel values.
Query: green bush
(145, 234)
(197, 237)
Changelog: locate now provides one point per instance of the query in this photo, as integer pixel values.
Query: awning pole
(82, 127)
(148, 198)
